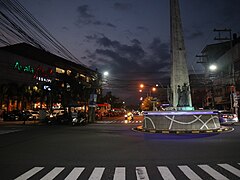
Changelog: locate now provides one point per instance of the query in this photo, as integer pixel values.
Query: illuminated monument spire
(181, 96)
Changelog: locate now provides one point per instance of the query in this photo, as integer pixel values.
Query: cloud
(84, 12)
(142, 28)
(160, 51)
(131, 57)
(130, 64)
(195, 34)
(85, 17)
(122, 6)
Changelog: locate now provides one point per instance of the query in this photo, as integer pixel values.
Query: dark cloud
(160, 51)
(132, 58)
(130, 51)
(65, 28)
(130, 64)
(142, 28)
(122, 6)
(194, 35)
(136, 42)
(85, 18)
(84, 12)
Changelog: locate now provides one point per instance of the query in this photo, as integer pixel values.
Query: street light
(141, 85)
(105, 73)
(213, 67)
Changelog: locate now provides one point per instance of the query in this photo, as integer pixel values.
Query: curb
(208, 131)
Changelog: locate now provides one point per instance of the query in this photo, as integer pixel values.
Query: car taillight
(224, 116)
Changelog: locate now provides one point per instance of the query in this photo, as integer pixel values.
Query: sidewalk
(3, 123)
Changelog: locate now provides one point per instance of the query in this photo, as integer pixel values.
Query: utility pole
(233, 96)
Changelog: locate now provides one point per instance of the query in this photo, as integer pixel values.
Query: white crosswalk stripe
(97, 173)
(29, 173)
(212, 172)
(75, 173)
(189, 173)
(231, 169)
(166, 173)
(53, 173)
(120, 173)
(141, 173)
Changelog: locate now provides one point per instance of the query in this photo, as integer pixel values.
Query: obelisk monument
(180, 88)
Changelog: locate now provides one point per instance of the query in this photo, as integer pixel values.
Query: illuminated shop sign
(38, 72)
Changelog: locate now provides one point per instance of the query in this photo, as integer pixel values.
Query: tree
(147, 104)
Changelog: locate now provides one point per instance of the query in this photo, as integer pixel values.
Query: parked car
(227, 117)
(34, 115)
(58, 118)
(17, 115)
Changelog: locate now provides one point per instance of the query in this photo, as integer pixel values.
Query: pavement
(6, 123)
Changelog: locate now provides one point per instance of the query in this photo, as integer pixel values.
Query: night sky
(131, 38)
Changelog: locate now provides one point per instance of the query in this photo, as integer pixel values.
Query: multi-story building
(31, 78)
(223, 84)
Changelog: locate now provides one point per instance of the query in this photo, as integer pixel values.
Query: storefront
(31, 78)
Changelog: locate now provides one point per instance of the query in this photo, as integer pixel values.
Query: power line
(21, 26)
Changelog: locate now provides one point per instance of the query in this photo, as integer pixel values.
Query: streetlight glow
(141, 85)
(106, 73)
(212, 67)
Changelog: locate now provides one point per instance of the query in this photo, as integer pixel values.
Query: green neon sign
(27, 68)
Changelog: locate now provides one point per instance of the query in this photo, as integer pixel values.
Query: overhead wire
(22, 24)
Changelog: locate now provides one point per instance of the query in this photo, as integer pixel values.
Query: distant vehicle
(129, 116)
(227, 117)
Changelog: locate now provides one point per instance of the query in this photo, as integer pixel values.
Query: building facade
(223, 84)
(31, 78)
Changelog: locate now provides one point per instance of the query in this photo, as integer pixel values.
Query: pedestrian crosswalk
(223, 171)
(118, 122)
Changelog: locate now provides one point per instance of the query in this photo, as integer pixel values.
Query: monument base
(181, 120)
(185, 108)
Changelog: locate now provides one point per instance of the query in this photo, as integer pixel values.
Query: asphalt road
(114, 151)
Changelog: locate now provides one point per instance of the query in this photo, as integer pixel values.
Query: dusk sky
(131, 38)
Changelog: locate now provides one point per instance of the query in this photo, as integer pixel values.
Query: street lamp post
(213, 69)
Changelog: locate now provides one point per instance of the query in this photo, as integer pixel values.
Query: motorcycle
(79, 119)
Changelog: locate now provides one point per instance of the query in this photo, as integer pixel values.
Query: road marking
(212, 172)
(117, 122)
(29, 173)
(97, 173)
(53, 173)
(75, 173)
(9, 131)
(165, 173)
(119, 173)
(141, 173)
(231, 169)
(189, 173)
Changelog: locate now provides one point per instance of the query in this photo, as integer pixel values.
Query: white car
(34, 115)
